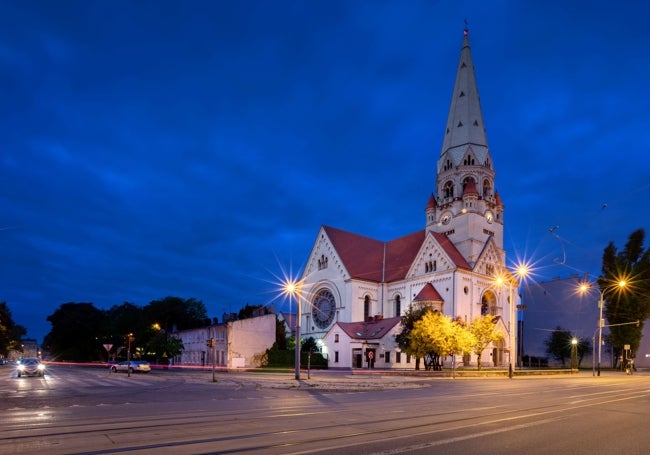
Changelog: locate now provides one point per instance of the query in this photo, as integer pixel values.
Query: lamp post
(521, 271)
(129, 340)
(586, 287)
(292, 289)
(574, 354)
(501, 281)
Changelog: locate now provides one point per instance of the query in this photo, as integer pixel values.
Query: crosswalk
(61, 378)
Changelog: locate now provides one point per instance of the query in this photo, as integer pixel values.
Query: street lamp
(129, 339)
(574, 353)
(292, 288)
(521, 271)
(500, 282)
(586, 287)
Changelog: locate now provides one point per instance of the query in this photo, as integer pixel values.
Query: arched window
(398, 306)
(489, 304)
(466, 181)
(448, 190)
(487, 188)
(366, 308)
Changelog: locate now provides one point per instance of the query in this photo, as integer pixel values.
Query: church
(355, 288)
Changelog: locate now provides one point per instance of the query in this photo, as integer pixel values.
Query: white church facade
(352, 282)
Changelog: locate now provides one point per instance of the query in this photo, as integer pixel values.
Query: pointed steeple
(465, 127)
(467, 210)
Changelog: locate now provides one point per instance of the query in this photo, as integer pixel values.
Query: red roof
(362, 256)
(374, 329)
(400, 254)
(470, 187)
(451, 250)
(431, 203)
(498, 199)
(428, 293)
(384, 262)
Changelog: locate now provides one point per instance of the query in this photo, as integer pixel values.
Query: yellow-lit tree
(484, 331)
(439, 336)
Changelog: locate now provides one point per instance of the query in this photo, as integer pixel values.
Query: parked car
(132, 366)
(30, 367)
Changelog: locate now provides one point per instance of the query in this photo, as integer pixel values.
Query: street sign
(108, 347)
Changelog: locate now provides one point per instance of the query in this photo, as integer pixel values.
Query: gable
(325, 257)
(361, 256)
(490, 259)
(437, 254)
(368, 259)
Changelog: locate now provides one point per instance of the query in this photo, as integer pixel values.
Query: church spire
(465, 127)
(467, 209)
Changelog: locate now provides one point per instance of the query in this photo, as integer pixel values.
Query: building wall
(248, 340)
(237, 343)
(556, 303)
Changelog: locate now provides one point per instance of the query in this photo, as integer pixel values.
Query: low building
(232, 344)
(367, 344)
(557, 303)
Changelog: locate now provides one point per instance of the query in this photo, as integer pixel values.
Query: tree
(403, 339)
(485, 332)
(163, 346)
(309, 345)
(439, 336)
(10, 332)
(175, 313)
(280, 334)
(77, 331)
(632, 302)
(121, 320)
(559, 346)
(250, 311)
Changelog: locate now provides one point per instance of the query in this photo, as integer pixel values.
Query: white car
(132, 366)
(30, 367)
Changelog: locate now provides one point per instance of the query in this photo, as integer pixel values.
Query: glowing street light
(521, 271)
(574, 354)
(293, 288)
(586, 287)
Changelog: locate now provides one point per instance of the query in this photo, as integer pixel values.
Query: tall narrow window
(398, 306)
(366, 308)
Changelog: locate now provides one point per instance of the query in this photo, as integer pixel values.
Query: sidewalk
(367, 380)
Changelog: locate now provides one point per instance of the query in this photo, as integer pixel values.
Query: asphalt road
(88, 410)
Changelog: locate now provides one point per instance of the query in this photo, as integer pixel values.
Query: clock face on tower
(323, 309)
(446, 218)
(489, 217)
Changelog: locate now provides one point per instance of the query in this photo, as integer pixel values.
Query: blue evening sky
(194, 148)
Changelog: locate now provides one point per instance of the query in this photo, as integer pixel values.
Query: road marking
(453, 440)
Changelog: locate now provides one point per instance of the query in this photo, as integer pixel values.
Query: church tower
(467, 209)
